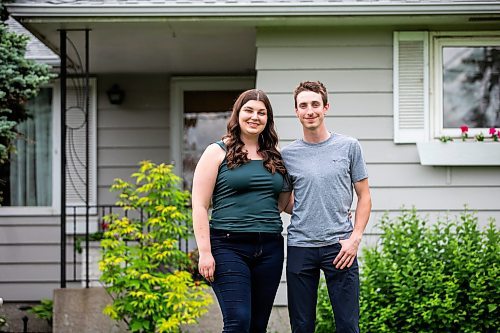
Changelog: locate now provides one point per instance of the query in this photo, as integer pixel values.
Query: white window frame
(178, 85)
(438, 41)
(55, 208)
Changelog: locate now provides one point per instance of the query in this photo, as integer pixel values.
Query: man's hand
(347, 253)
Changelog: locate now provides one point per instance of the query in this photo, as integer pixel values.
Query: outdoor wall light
(116, 95)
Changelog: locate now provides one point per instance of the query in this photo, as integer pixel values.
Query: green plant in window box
(480, 137)
(494, 134)
(445, 138)
(143, 268)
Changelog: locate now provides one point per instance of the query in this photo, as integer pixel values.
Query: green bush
(143, 268)
(44, 310)
(325, 322)
(442, 277)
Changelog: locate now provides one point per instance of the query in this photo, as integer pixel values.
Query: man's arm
(350, 246)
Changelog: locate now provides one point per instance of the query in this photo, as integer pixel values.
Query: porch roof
(216, 37)
(256, 8)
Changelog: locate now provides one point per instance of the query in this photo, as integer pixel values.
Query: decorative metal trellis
(75, 113)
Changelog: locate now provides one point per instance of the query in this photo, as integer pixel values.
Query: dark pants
(248, 269)
(303, 273)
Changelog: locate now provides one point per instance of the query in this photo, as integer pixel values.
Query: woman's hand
(206, 266)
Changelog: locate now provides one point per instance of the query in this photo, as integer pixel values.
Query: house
(399, 72)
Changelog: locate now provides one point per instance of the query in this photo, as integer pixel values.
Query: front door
(200, 108)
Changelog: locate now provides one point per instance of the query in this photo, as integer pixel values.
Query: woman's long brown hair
(268, 139)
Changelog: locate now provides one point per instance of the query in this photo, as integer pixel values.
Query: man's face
(310, 109)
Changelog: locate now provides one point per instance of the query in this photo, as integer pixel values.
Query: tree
(20, 80)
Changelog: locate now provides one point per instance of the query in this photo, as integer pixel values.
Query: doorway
(200, 108)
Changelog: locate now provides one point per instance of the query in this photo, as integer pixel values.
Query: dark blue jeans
(248, 267)
(303, 273)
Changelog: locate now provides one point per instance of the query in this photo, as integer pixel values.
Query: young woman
(241, 246)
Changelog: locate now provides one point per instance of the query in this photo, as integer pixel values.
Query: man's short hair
(315, 86)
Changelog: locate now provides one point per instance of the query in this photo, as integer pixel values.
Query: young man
(324, 168)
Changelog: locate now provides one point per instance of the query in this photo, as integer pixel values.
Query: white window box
(459, 153)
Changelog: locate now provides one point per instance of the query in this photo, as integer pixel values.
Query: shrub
(431, 278)
(325, 322)
(3, 318)
(44, 310)
(143, 267)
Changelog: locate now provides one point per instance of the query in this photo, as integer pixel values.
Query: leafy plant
(325, 322)
(439, 277)
(44, 310)
(445, 138)
(3, 318)
(143, 267)
(480, 137)
(95, 236)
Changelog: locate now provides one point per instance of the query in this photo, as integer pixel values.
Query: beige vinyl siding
(134, 131)
(30, 257)
(356, 66)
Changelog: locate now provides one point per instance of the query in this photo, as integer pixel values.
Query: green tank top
(245, 198)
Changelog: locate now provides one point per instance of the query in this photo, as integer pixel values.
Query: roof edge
(251, 10)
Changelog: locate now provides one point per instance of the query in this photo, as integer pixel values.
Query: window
(31, 182)
(455, 84)
(467, 72)
(26, 179)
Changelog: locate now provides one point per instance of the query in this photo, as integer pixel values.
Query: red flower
(464, 128)
(493, 131)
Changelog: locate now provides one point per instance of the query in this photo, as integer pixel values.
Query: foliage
(494, 134)
(44, 310)
(440, 277)
(93, 237)
(325, 322)
(20, 80)
(4, 14)
(142, 265)
(445, 138)
(3, 318)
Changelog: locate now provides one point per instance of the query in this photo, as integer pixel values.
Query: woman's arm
(285, 202)
(205, 176)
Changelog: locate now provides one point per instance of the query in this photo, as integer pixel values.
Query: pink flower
(494, 134)
(464, 130)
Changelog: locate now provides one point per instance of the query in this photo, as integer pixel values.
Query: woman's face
(252, 118)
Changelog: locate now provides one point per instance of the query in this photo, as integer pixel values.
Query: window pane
(205, 118)
(471, 94)
(30, 167)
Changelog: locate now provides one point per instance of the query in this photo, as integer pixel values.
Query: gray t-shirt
(323, 175)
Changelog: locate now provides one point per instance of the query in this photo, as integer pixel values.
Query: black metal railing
(83, 232)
